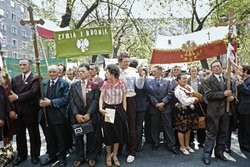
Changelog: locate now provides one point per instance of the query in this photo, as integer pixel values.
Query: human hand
(1, 122)
(86, 117)
(13, 115)
(79, 118)
(103, 112)
(12, 97)
(230, 98)
(227, 93)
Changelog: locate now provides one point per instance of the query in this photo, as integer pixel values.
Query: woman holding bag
(185, 120)
(113, 96)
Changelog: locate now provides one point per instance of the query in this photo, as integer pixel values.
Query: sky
(139, 9)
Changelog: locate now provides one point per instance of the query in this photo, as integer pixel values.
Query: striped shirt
(113, 95)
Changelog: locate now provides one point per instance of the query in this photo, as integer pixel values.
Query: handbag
(6, 152)
(84, 128)
(201, 120)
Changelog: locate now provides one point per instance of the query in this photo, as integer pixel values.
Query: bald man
(24, 110)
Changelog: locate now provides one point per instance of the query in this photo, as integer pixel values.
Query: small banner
(13, 66)
(83, 42)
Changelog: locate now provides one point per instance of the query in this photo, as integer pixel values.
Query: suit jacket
(244, 97)
(76, 101)
(159, 93)
(28, 93)
(141, 97)
(3, 104)
(59, 104)
(215, 96)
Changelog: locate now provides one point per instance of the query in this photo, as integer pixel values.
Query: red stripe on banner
(179, 56)
(44, 33)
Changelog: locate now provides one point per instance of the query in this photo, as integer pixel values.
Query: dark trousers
(69, 135)
(157, 118)
(217, 130)
(34, 134)
(139, 127)
(201, 136)
(131, 113)
(244, 132)
(147, 128)
(56, 139)
(91, 150)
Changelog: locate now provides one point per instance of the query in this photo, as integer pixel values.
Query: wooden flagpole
(33, 23)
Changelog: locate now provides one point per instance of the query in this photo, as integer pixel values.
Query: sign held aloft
(83, 42)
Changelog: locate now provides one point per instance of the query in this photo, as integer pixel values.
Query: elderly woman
(184, 112)
(113, 96)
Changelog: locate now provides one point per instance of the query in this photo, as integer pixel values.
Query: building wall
(18, 37)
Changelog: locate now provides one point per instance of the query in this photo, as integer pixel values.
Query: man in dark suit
(84, 97)
(159, 108)
(96, 83)
(24, 110)
(217, 120)
(56, 91)
(3, 108)
(244, 110)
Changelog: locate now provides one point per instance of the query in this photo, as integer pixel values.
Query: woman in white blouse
(184, 120)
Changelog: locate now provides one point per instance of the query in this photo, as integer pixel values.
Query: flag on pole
(190, 47)
(83, 42)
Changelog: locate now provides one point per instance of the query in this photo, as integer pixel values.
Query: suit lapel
(79, 89)
(26, 83)
(45, 89)
(216, 82)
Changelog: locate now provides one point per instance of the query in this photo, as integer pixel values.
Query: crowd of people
(180, 104)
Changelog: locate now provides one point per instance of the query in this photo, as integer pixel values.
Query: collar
(217, 76)
(125, 70)
(194, 80)
(84, 81)
(26, 75)
(55, 80)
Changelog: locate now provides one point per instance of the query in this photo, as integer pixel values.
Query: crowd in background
(148, 102)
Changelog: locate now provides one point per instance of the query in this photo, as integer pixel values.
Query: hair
(84, 65)
(62, 65)
(246, 68)
(113, 70)
(123, 55)
(96, 67)
(30, 61)
(215, 61)
(180, 75)
(134, 63)
(53, 67)
(189, 70)
(158, 67)
(146, 71)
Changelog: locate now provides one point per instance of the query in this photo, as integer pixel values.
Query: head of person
(112, 72)
(62, 70)
(83, 71)
(245, 71)
(216, 67)
(193, 71)
(182, 79)
(70, 74)
(176, 70)
(157, 71)
(124, 60)
(53, 72)
(93, 70)
(25, 65)
(133, 63)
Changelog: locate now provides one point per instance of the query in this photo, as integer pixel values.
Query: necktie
(51, 86)
(221, 81)
(24, 78)
(84, 93)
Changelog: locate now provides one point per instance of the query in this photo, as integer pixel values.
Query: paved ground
(163, 158)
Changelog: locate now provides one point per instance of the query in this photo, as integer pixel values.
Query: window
(3, 26)
(1, 13)
(24, 45)
(14, 43)
(13, 17)
(13, 30)
(12, 4)
(14, 55)
(4, 41)
(23, 33)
